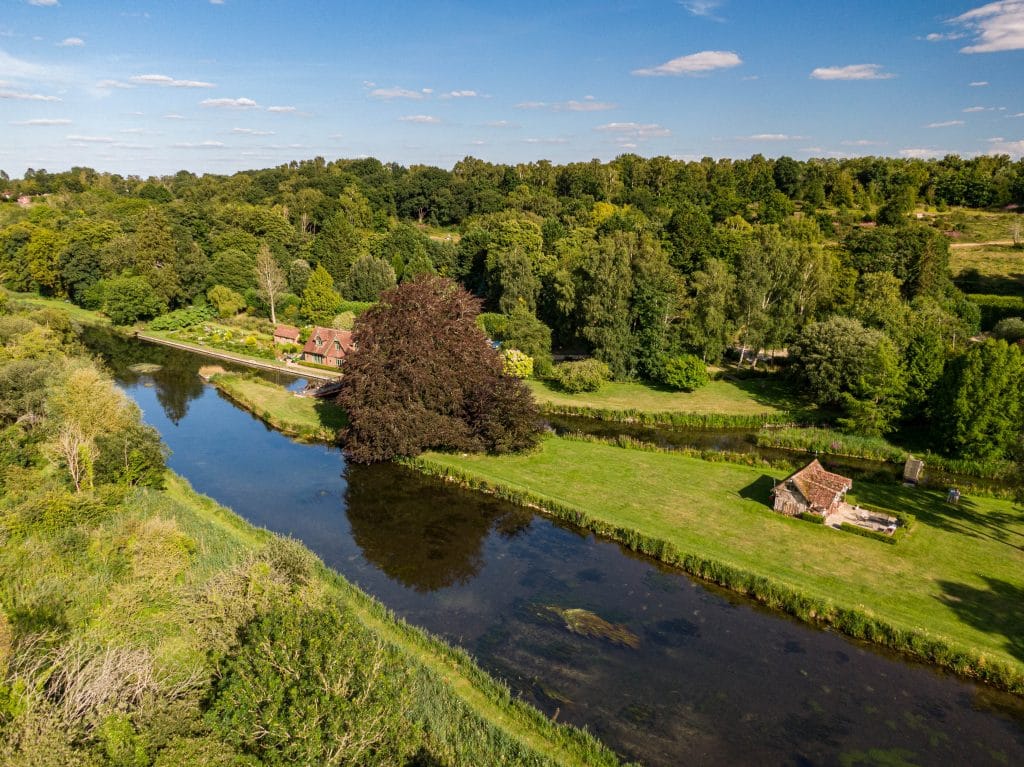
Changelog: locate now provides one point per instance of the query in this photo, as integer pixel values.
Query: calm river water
(712, 680)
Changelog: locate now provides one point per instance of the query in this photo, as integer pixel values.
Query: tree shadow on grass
(759, 490)
(330, 414)
(964, 518)
(997, 609)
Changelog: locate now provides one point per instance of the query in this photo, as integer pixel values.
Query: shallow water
(713, 679)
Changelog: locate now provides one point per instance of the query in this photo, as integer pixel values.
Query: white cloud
(531, 105)
(945, 124)
(428, 91)
(242, 103)
(634, 130)
(920, 153)
(501, 124)
(703, 8)
(169, 82)
(71, 42)
(852, 72)
(109, 84)
(22, 96)
(979, 109)
(545, 141)
(936, 37)
(693, 64)
(586, 105)
(461, 94)
(861, 142)
(979, 84)
(421, 119)
(200, 145)
(126, 145)
(395, 93)
(996, 26)
(282, 110)
(1019, 114)
(175, 117)
(44, 3)
(1001, 146)
(252, 132)
(216, 2)
(43, 121)
(19, 69)
(771, 137)
(90, 139)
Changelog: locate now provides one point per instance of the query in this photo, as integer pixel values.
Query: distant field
(75, 312)
(978, 225)
(999, 267)
(749, 397)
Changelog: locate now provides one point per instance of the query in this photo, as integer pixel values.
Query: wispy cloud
(771, 137)
(175, 117)
(979, 83)
(282, 109)
(1001, 146)
(996, 27)
(242, 103)
(634, 130)
(970, 110)
(545, 141)
(861, 142)
(252, 132)
(852, 72)
(113, 84)
(693, 64)
(199, 145)
(922, 153)
(23, 96)
(90, 139)
(531, 105)
(703, 8)
(465, 94)
(589, 104)
(501, 124)
(44, 3)
(71, 42)
(395, 93)
(938, 37)
(42, 121)
(945, 124)
(421, 119)
(169, 82)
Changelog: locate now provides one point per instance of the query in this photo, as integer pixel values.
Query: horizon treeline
(632, 261)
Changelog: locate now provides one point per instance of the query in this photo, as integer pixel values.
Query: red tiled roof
(326, 345)
(819, 486)
(286, 331)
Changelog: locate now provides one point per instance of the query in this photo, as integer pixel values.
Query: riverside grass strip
(679, 420)
(471, 718)
(305, 418)
(858, 621)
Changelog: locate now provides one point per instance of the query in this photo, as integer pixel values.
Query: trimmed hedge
(807, 516)
(853, 622)
(846, 527)
(995, 308)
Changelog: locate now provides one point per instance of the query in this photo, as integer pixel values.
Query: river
(699, 676)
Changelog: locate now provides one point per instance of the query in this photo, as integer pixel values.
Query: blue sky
(217, 86)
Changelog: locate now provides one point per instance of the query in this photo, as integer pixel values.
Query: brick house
(286, 334)
(327, 346)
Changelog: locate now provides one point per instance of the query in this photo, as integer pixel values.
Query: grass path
(958, 574)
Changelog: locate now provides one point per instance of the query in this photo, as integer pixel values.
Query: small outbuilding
(812, 489)
(286, 334)
(913, 470)
(327, 346)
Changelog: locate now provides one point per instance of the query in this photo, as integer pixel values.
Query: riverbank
(949, 594)
(305, 418)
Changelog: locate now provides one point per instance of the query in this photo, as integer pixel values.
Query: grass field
(958, 574)
(1000, 268)
(978, 225)
(303, 417)
(75, 312)
(753, 396)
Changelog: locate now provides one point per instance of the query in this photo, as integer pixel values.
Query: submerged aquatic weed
(588, 624)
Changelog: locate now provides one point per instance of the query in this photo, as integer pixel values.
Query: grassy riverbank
(950, 592)
(302, 417)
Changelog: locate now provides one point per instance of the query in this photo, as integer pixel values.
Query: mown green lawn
(959, 573)
(745, 397)
(303, 416)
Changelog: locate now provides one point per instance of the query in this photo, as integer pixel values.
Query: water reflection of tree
(420, 532)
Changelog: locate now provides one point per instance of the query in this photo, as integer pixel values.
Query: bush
(995, 308)
(1010, 329)
(133, 456)
(684, 373)
(228, 302)
(516, 364)
(584, 375)
(310, 686)
(127, 300)
(183, 318)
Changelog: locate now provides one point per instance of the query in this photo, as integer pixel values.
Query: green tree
(684, 372)
(978, 405)
(523, 331)
(423, 375)
(227, 302)
(706, 326)
(878, 303)
(338, 245)
(369, 277)
(126, 300)
(320, 301)
(233, 268)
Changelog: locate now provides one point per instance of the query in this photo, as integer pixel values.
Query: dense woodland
(637, 262)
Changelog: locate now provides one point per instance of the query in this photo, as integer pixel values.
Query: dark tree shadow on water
(996, 609)
(759, 490)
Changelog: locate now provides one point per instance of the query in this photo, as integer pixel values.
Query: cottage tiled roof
(286, 331)
(326, 346)
(818, 485)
